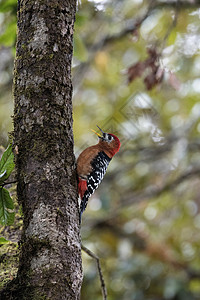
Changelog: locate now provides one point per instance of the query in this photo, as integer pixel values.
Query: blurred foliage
(9, 251)
(144, 220)
(8, 25)
(9, 235)
(7, 165)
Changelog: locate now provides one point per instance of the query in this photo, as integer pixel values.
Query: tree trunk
(50, 264)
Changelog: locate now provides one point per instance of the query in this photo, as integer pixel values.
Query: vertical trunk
(50, 263)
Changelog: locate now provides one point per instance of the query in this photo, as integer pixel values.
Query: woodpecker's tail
(84, 203)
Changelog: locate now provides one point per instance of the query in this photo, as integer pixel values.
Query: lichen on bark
(50, 264)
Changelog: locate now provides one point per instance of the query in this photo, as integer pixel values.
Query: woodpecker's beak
(100, 129)
(97, 133)
(101, 137)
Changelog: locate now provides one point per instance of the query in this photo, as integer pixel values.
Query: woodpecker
(92, 164)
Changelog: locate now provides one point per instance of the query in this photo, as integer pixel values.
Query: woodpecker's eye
(110, 138)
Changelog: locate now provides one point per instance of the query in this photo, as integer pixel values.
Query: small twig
(9, 182)
(103, 286)
(172, 26)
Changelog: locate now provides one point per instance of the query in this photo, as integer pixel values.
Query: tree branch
(144, 244)
(152, 191)
(147, 194)
(9, 182)
(173, 4)
(130, 26)
(91, 254)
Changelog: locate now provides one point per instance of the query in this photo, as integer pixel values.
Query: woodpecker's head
(108, 142)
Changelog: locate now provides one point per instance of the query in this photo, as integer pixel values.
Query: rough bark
(50, 263)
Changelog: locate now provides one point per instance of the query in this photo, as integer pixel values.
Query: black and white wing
(99, 167)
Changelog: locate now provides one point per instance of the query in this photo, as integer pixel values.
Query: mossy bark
(50, 263)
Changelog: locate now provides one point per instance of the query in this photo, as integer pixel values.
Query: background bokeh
(136, 73)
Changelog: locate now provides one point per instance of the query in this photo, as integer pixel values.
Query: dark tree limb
(153, 191)
(9, 182)
(94, 256)
(149, 193)
(145, 244)
(171, 4)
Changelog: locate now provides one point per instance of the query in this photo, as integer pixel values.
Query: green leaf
(80, 51)
(3, 241)
(9, 35)
(6, 164)
(8, 5)
(81, 19)
(2, 174)
(6, 208)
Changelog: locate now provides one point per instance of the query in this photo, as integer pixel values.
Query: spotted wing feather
(99, 167)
